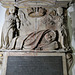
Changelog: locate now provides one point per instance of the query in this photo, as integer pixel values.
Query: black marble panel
(34, 65)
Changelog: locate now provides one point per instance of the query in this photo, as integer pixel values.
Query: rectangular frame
(6, 54)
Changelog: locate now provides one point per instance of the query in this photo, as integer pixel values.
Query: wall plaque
(34, 64)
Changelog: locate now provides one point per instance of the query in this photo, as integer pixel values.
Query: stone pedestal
(34, 63)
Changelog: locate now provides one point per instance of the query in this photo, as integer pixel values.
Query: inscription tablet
(34, 65)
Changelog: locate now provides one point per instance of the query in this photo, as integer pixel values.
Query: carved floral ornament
(36, 11)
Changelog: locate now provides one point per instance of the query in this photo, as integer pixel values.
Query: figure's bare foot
(63, 47)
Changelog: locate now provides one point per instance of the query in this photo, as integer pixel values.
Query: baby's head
(50, 36)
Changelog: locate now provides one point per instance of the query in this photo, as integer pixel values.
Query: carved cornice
(31, 3)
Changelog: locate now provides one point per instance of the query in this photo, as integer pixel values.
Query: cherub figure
(59, 21)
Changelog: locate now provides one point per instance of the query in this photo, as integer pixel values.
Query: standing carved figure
(61, 29)
(10, 27)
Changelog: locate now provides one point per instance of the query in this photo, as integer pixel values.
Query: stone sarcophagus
(40, 29)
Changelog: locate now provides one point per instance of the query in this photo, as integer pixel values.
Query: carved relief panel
(36, 28)
(33, 27)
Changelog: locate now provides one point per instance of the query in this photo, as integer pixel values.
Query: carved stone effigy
(36, 28)
(10, 27)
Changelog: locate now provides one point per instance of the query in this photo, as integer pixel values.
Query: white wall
(2, 18)
(71, 14)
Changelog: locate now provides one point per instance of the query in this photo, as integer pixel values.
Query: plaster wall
(2, 18)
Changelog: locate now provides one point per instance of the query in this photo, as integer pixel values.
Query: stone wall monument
(36, 27)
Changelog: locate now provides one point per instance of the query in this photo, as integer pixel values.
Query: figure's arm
(18, 22)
